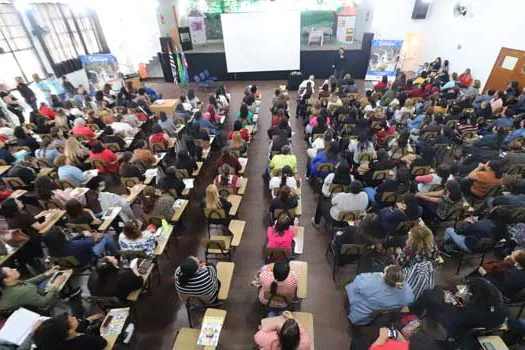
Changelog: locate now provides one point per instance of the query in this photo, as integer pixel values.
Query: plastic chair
(209, 76)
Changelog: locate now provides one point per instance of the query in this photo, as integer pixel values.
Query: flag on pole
(172, 63)
(185, 63)
(182, 75)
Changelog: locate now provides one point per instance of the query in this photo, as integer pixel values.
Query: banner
(384, 57)
(197, 30)
(101, 69)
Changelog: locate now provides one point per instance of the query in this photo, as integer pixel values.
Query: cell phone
(55, 276)
(107, 321)
(392, 333)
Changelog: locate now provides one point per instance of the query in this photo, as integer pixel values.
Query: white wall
(488, 26)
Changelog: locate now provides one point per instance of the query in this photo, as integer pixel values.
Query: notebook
(18, 325)
(188, 183)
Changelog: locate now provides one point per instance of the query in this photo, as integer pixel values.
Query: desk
(235, 200)
(52, 217)
(244, 163)
(216, 313)
(59, 286)
(115, 326)
(4, 258)
(4, 169)
(242, 188)
(299, 207)
(134, 192)
(299, 240)
(236, 228)
(179, 211)
(197, 172)
(17, 193)
(162, 241)
(187, 339)
(159, 157)
(107, 221)
(494, 340)
(167, 106)
(306, 320)
(179, 128)
(134, 296)
(301, 268)
(224, 274)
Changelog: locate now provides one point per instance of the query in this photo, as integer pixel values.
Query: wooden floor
(161, 314)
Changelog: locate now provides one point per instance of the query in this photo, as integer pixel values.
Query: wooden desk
(197, 172)
(299, 240)
(162, 241)
(159, 157)
(225, 275)
(66, 273)
(493, 340)
(4, 169)
(51, 220)
(167, 106)
(134, 192)
(17, 193)
(236, 227)
(179, 211)
(115, 327)
(45, 171)
(217, 314)
(235, 200)
(134, 296)
(105, 224)
(4, 258)
(179, 128)
(299, 207)
(301, 268)
(244, 163)
(187, 339)
(242, 188)
(306, 320)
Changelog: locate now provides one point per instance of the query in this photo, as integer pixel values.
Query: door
(510, 65)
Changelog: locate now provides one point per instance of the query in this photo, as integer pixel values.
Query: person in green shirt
(16, 293)
(279, 161)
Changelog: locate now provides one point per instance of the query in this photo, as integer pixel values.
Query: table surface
(301, 268)
(17, 193)
(236, 227)
(299, 240)
(51, 220)
(244, 164)
(8, 256)
(179, 211)
(299, 207)
(214, 313)
(187, 339)
(112, 338)
(105, 224)
(4, 169)
(134, 192)
(68, 274)
(199, 167)
(225, 275)
(134, 296)
(243, 184)
(163, 241)
(235, 200)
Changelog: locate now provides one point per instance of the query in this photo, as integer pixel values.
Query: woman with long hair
(215, 201)
(76, 153)
(288, 336)
(46, 189)
(363, 145)
(157, 204)
(420, 246)
(237, 143)
(281, 234)
(286, 179)
(439, 205)
(77, 214)
(244, 115)
(285, 199)
(329, 156)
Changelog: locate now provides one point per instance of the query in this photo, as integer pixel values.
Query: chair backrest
(388, 197)
(366, 157)
(277, 301)
(349, 215)
(381, 174)
(21, 148)
(78, 227)
(428, 135)
(225, 191)
(152, 219)
(158, 147)
(3, 162)
(347, 129)
(130, 181)
(316, 136)
(42, 163)
(420, 170)
(214, 213)
(351, 249)
(277, 254)
(93, 127)
(13, 182)
(82, 138)
(50, 204)
(68, 262)
(451, 123)
(468, 135)
(278, 212)
(195, 302)
(337, 188)
(112, 146)
(132, 254)
(325, 167)
(215, 243)
(182, 173)
(97, 163)
(516, 169)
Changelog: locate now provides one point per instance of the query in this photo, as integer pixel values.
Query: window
(65, 33)
(18, 56)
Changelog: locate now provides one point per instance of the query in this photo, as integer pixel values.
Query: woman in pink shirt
(277, 279)
(497, 102)
(281, 235)
(289, 335)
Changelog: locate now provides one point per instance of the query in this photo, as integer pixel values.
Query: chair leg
(189, 316)
(482, 258)
(521, 311)
(334, 267)
(459, 263)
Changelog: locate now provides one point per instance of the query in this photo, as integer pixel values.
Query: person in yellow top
(421, 79)
(279, 161)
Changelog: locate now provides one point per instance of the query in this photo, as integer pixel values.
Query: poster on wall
(384, 57)
(101, 69)
(197, 30)
(345, 29)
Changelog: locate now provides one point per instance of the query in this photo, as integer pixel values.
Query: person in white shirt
(192, 98)
(362, 145)
(310, 79)
(122, 128)
(320, 143)
(286, 179)
(354, 200)
(186, 104)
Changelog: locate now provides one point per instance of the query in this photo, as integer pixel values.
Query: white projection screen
(262, 41)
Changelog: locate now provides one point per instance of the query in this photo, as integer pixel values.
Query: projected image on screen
(262, 41)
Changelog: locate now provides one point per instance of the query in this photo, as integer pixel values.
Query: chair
(349, 215)
(82, 138)
(209, 76)
(14, 183)
(337, 188)
(97, 163)
(225, 191)
(346, 250)
(278, 303)
(218, 247)
(419, 170)
(130, 181)
(483, 247)
(77, 228)
(380, 175)
(3, 162)
(451, 123)
(112, 146)
(49, 204)
(277, 254)
(215, 217)
(516, 169)
(388, 197)
(20, 148)
(152, 219)
(278, 212)
(429, 135)
(194, 304)
(515, 301)
(93, 127)
(200, 83)
(366, 157)
(71, 262)
(158, 147)
(325, 167)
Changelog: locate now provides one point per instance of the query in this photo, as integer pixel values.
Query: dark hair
(225, 176)
(188, 268)
(285, 173)
(52, 332)
(498, 167)
(356, 187)
(55, 241)
(243, 111)
(281, 270)
(384, 79)
(283, 224)
(98, 147)
(342, 174)
(44, 187)
(454, 190)
(237, 125)
(483, 294)
(253, 89)
(19, 132)
(9, 208)
(148, 199)
(333, 151)
(289, 335)
(191, 94)
(74, 208)
(156, 129)
(99, 95)
(140, 144)
(163, 116)
(108, 130)
(284, 193)
(131, 229)
(126, 157)
(412, 206)
(443, 171)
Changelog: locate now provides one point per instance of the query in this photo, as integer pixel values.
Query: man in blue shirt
(519, 133)
(483, 98)
(519, 106)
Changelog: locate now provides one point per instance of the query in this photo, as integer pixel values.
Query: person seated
(212, 115)
(278, 115)
(353, 198)
(369, 293)
(278, 279)
(320, 143)
(158, 136)
(132, 238)
(69, 172)
(16, 293)
(167, 124)
(391, 218)
(24, 170)
(46, 189)
(331, 155)
(289, 335)
(483, 178)
(214, 201)
(283, 126)
(316, 126)
(385, 341)
(43, 124)
(186, 162)
(77, 214)
(99, 152)
(25, 140)
(285, 200)
(205, 124)
(281, 234)
(64, 332)
(237, 144)
(110, 280)
(77, 153)
(467, 233)
(193, 278)
(384, 133)
(381, 163)
(478, 305)
(507, 275)
(46, 152)
(47, 111)
(99, 201)
(237, 127)
(143, 154)
(226, 180)
(170, 182)
(80, 129)
(286, 179)
(121, 128)
(427, 183)
(227, 157)
(279, 140)
(108, 136)
(223, 98)
(244, 116)
(192, 98)
(157, 204)
(128, 168)
(439, 205)
(5, 155)
(419, 247)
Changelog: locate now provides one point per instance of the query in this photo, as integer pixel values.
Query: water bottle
(296, 222)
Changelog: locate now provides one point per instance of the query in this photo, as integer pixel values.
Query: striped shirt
(286, 288)
(203, 284)
(146, 242)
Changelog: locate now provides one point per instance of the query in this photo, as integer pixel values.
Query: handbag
(14, 238)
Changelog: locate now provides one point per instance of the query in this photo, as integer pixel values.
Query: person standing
(42, 86)
(28, 94)
(338, 65)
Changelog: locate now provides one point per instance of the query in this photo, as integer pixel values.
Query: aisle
(163, 310)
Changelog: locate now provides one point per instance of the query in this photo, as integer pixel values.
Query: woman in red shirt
(47, 111)
(211, 113)
(382, 85)
(99, 152)
(281, 235)
(80, 129)
(383, 133)
(158, 136)
(465, 78)
(237, 126)
(228, 158)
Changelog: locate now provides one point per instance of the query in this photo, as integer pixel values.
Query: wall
(473, 41)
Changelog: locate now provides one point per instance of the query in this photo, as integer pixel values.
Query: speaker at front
(420, 9)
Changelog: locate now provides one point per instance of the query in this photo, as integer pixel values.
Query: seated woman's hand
(287, 315)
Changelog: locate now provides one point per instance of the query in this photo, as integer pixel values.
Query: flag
(183, 77)
(185, 63)
(172, 63)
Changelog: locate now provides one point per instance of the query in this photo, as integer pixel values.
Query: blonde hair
(236, 140)
(420, 239)
(476, 84)
(213, 200)
(409, 103)
(74, 150)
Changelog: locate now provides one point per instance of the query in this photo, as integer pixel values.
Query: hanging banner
(197, 30)
(101, 69)
(384, 57)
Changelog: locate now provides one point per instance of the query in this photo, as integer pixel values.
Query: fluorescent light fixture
(22, 6)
